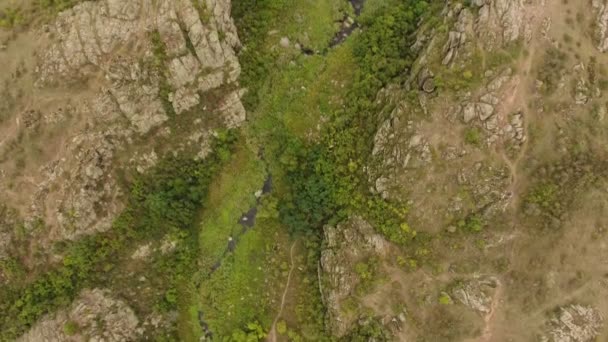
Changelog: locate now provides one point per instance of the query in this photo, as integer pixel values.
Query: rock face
(198, 59)
(601, 24)
(457, 37)
(574, 323)
(93, 316)
(347, 244)
(506, 126)
(497, 23)
(500, 21)
(133, 66)
(477, 294)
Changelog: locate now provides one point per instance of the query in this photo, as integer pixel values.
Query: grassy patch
(550, 72)
(472, 136)
(262, 24)
(19, 14)
(543, 195)
(309, 89)
(238, 292)
(230, 196)
(313, 22)
(188, 325)
(503, 56)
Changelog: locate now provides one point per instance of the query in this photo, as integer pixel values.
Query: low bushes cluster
(168, 198)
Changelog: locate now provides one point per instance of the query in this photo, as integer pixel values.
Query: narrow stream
(247, 221)
(349, 25)
(357, 6)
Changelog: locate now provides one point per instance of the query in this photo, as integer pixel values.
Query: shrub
(472, 224)
(445, 299)
(544, 195)
(550, 72)
(71, 328)
(472, 136)
(281, 327)
(10, 17)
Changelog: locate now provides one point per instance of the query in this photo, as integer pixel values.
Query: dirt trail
(489, 320)
(272, 335)
(518, 100)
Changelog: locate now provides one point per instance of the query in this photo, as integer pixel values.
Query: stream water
(357, 6)
(348, 24)
(247, 221)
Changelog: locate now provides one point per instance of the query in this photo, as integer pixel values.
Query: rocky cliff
(108, 74)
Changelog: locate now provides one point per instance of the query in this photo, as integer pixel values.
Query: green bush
(472, 224)
(472, 136)
(10, 17)
(71, 328)
(551, 70)
(282, 327)
(368, 329)
(544, 195)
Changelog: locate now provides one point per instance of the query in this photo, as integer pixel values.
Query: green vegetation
(166, 199)
(282, 327)
(472, 136)
(318, 175)
(368, 329)
(445, 299)
(313, 118)
(56, 5)
(71, 328)
(504, 56)
(327, 180)
(261, 25)
(251, 333)
(11, 17)
(472, 224)
(230, 195)
(551, 70)
(543, 195)
(159, 64)
(23, 14)
(11, 269)
(235, 294)
(368, 274)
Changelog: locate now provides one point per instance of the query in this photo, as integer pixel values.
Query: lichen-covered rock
(457, 37)
(477, 294)
(89, 35)
(601, 24)
(500, 21)
(348, 243)
(93, 316)
(574, 323)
